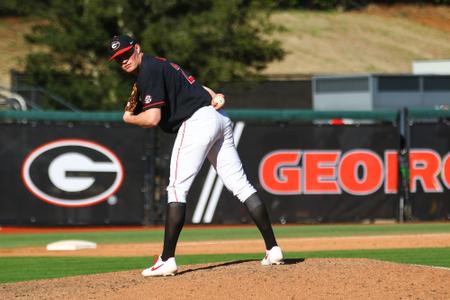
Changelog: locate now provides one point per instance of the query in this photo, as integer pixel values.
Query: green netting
(310, 115)
(61, 116)
(428, 114)
(236, 114)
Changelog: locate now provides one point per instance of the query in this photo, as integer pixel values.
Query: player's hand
(218, 101)
(127, 115)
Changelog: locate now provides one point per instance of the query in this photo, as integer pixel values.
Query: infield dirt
(299, 278)
(250, 246)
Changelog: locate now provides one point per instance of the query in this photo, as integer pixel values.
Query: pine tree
(215, 40)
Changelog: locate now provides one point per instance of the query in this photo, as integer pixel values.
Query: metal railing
(11, 101)
(32, 96)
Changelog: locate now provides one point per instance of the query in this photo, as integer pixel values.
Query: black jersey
(165, 85)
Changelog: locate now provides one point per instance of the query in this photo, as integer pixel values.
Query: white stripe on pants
(207, 133)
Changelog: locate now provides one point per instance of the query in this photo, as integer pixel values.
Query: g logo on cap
(115, 45)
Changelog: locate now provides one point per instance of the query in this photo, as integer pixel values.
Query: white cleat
(273, 256)
(162, 268)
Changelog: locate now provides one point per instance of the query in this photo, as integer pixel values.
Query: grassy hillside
(377, 39)
(13, 48)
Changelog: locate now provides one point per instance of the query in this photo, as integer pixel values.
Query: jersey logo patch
(147, 99)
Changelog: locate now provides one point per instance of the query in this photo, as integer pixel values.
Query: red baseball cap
(120, 44)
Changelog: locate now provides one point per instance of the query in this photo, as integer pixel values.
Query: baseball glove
(133, 99)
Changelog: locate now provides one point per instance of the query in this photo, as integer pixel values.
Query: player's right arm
(146, 119)
(216, 104)
(210, 91)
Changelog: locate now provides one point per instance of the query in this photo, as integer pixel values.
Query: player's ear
(137, 48)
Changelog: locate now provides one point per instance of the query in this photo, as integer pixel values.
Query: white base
(70, 245)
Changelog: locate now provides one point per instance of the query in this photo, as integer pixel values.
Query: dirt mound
(298, 279)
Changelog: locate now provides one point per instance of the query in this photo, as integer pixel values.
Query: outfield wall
(90, 169)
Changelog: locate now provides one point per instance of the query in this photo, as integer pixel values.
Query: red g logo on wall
(356, 172)
(72, 173)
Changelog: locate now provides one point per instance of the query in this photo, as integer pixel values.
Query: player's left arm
(145, 119)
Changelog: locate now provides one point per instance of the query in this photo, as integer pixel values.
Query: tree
(18, 8)
(215, 40)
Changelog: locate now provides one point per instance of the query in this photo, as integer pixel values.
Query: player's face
(128, 61)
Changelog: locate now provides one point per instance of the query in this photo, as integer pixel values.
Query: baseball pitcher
(165, 95)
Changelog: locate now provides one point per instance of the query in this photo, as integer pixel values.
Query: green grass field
(54, 267)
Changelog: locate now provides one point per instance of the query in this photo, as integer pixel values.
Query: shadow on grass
(287, 261)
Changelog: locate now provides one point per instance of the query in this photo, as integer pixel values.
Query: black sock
(258, 212)
(175, 214)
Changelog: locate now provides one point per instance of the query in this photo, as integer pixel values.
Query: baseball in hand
(219, 99)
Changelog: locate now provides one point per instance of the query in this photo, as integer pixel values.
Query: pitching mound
(297, 279)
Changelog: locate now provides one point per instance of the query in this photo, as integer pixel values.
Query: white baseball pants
(207, 133)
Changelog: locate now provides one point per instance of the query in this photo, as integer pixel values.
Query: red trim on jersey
(121, 51)
(176, 164)
(160, 58)
(154, 104)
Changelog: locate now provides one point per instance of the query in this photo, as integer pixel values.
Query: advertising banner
(308, 173)
(97, 174)
(54, 174)
(430, 170)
